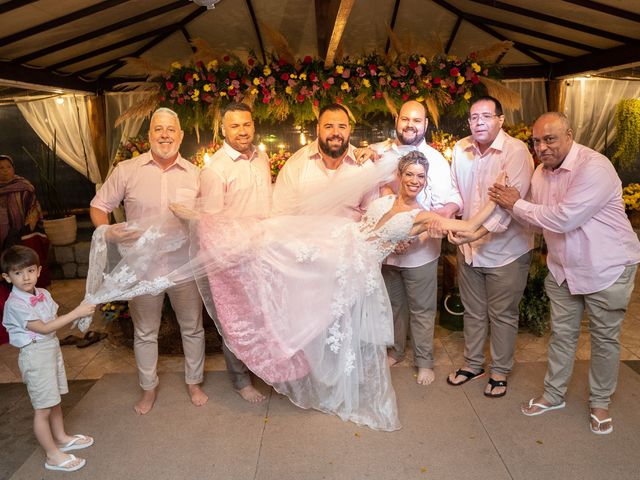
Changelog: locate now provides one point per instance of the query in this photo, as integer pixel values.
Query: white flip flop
(62, 467)
(74, 445)
(597, 430)
(543, 408)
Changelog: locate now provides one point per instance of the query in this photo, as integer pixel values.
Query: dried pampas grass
(143, 108)
(492, 53)
(278, 42)
(510, 99)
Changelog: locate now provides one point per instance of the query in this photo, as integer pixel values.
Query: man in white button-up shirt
(492, 269)
(411, 274)
(238, 183)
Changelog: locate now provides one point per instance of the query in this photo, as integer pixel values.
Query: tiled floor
(108, 357)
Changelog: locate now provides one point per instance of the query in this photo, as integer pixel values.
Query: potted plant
(60, 226)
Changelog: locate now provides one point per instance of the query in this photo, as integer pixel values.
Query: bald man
(411, 273)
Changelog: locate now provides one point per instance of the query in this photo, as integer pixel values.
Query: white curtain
(116, 105)
(70, 123)
(534, 100)
(590, 105)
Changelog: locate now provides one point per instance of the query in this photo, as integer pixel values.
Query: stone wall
(70, 261)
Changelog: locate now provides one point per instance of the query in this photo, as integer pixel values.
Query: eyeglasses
(484, 116)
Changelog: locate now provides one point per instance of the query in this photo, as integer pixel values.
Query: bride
(300, 299)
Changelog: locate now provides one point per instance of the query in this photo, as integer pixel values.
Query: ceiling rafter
(599, 7)
(256, 28)
(72, 17)
(104, 30)
(620, 55)
(14, 4)
(489, 30)
(169, 31)
(392, 25)
(532, 33)
(453, 34)
(555, 20)
(44, 76)
(344, 10)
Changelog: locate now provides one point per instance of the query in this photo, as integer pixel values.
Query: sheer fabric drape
(590, 105)
(534, 100)
(70, 122)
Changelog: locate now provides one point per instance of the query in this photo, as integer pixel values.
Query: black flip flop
(465, 373)
(90, 338)
(495, 384)
(70, 340)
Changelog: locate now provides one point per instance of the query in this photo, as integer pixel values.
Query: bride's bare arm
(426, 220)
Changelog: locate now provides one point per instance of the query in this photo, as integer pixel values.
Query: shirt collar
(569, 161)
(25, 296)
(314, 153)
(497, 144)
(179, 162)
(236, 155)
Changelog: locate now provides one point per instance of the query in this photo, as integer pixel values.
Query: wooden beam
(525, 71)
(452, 37)
(102, 31)
(338, 30)
(14, 4)
(44, 76)
(326, 13)
(394, 16)
(56, 22)
(185, 21)
(599, 7)
(256, 28)
(490, 31)
(555, 20)
(595, 61)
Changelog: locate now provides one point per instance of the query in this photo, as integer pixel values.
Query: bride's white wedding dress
(300, 299)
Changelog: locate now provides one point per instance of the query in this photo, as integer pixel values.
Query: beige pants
(146, 312)
(491, 297)
(413, 295)
(606, 311)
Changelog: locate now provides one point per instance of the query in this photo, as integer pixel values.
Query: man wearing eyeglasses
(576, 199)
(494, 264)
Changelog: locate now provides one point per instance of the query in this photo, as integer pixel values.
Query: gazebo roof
(81, 44)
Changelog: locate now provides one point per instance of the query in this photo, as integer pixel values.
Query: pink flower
(169, 85)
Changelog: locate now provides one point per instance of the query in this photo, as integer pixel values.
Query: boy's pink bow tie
(37, 298)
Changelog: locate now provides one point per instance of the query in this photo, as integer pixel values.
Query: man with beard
(312, 167)
(493, 268)
(147, 185)
(238, 183)
(411, 273)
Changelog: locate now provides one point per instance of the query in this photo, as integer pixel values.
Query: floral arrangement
(200, 158)
(277, 161)
(522, 132)
(281, 88)
(115, 311)
(631, 197)
(131, 148)
(443, 142)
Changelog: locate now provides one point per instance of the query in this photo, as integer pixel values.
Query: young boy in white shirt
(31, 321)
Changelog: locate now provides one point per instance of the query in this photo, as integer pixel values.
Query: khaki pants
(413, 295)
(606, 311)
(491, 297)
(146, 313)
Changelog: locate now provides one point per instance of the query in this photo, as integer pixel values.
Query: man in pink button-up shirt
(237, 182)
(576, 199)
(147, 185)
(492, 269)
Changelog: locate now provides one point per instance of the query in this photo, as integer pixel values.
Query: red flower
(378, 94)
(169, 85)
(339, 100)
(405, 97)
(282, 62)
(278, 101)
(454, 72)
(475, 80)
(211, 77)
(394, 83)
(233, 74)
(188, 76)
(313, 77)
(300, 98)
(316, 102)
(200, 65)
(265, 99)
(284, 76)
(250, 61)
(326, 85)
(452, 89)
(226, 58)
(180, 100)
(307, 60)
(413, 65)
(437, 80)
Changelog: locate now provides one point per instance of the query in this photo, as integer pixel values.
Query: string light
(262, 147)
(207, 159)
(59, 100)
